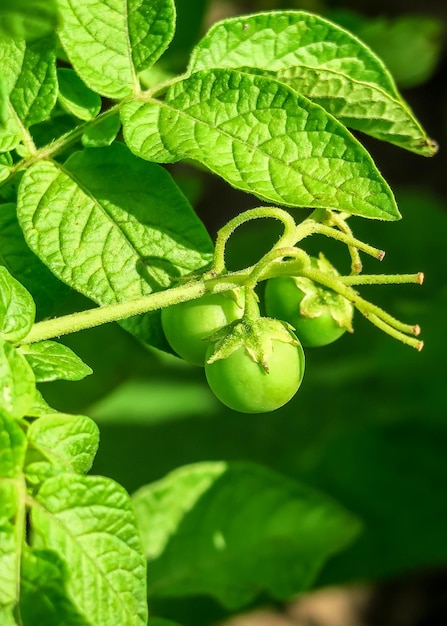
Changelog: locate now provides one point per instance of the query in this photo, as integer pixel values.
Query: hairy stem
(90, 318)
(261, 212)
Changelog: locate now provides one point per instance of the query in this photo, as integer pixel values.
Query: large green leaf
(109, 41)
(262, 137)
(234, 531)
(113, 227)
(321, 61)
(89, 521)
(17, 310)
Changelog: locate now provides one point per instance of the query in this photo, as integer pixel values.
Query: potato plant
(267, 103)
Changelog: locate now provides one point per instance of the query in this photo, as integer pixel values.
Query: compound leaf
(17, 382)
(238, 530)
(17, 309)
(51, 360)
(322, 61)
(109, 41)
(113, 227)
(90, 518)
(264, 138)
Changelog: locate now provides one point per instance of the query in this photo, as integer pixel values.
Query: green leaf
(39, 407)
(108, 42)
(237, 530)
(158, 621)
(5, 157)
(323, 62)
(103, 133)
(31, 86)
(50, 360)
(75, 97)
(15, 255)
(17, 309)
(17, 382)
(9, 543)
(28, 19)
(7, 617)
(43, 591)
(12, 53)
(90, 518)
(35, 91)
(134, 230)
(262, 137)
(12, 448)
(69, 442)
(4, 100)
(12, 458)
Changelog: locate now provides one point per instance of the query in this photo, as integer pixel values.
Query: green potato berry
(188, 325)
(244, 385)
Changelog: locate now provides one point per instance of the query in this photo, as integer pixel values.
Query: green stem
(310, 227)
(340, 223)
(75, 322)
(260, 212)
(64, 141)
(259, 271)
(383, 279)
(389, 330)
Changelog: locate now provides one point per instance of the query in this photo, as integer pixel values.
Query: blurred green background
(369, 425)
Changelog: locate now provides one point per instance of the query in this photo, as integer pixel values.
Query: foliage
(90, 107)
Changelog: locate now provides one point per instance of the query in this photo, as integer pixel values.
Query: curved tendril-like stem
(260, 269)
(261, 212)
